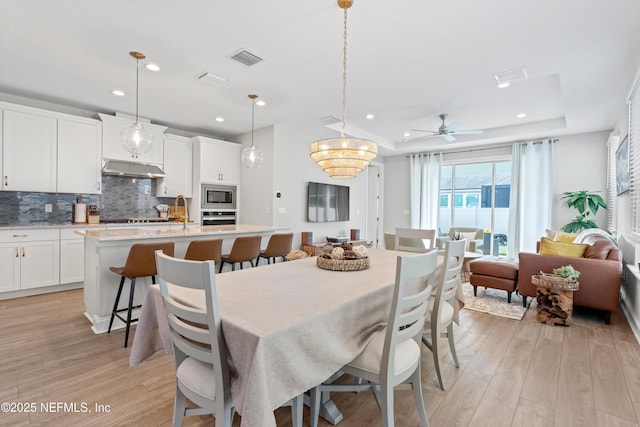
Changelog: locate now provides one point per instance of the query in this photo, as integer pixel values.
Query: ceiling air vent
(511, 75)
(329, 120)
(211, 79)
(245, 57)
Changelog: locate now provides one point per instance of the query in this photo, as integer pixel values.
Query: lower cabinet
(71, 256)
(29, 259)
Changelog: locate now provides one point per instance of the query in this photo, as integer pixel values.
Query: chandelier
(136, 139)
(251, 157)
(343, 157)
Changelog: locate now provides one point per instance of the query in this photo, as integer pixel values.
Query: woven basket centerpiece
(343, 257)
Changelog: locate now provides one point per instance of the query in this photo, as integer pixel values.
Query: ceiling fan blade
(448, 137)
(468, 132)
(422, 130)
(453, 126)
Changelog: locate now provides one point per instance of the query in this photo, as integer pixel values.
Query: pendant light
(251, 157)
(136, 139)
(343, 157)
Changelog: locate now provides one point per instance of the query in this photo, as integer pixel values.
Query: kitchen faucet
(186, 211)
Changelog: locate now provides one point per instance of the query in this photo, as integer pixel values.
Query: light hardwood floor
(512, 373)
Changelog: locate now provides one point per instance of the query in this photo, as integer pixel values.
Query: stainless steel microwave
(218, 196)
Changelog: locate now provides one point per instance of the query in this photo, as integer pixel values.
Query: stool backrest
(245, 248)
(141, 261)
(205, 250)
(279, 245)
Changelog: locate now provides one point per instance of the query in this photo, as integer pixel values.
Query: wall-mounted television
(327, 202)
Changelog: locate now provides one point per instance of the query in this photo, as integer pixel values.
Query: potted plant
(567, 272)
(587, 203)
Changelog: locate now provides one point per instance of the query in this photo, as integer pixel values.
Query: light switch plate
(48, 208)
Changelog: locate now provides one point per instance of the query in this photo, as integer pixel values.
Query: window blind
(612, 191)
(634, 149)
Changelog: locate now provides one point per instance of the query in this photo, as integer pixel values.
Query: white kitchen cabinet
(112, 147)
(71, 256)
(218, 161)
(29, 258)
(29, 149)
(177, 166)
(79, 155)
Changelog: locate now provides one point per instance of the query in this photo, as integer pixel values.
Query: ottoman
(494, 272)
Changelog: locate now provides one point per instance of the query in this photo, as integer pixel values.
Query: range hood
(142, 170)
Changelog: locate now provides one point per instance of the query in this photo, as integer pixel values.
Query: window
(634, 149)
(480, 194)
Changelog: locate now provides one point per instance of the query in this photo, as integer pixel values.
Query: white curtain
(425, 190)
(531, 200)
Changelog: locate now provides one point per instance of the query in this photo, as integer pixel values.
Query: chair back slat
(415, 239)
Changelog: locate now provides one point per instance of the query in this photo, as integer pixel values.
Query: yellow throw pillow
(571, 250)
(561, 236)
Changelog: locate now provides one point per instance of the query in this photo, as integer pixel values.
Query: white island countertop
(191, 231)
(110, 247)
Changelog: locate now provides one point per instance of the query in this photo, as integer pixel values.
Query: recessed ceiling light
(522, 115)
(219, 119)
(369, 116)
(504, 85)
(152, 67)
(117, 92)
(406, 134)
(260, 103)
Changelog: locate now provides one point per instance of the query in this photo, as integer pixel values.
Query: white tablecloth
(288, 326)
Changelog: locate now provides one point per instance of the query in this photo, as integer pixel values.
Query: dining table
(288, 327)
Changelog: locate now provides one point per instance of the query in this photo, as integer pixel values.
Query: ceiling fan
(447, 131)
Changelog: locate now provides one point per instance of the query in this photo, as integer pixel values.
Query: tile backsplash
(122, 197)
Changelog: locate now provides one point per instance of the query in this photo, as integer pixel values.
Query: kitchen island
(107, 248)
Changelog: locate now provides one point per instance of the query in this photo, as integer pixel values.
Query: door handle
(17, 253)
(6, 180)
(23, 252)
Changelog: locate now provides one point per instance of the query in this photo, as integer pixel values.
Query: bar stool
(279, 246)
(244, 249)
(141, 262)
(205, 250)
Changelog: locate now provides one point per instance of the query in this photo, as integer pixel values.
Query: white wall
(256, 184)
(580, 164)
(397, 200)
(287, 170)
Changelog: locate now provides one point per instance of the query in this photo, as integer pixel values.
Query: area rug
(494, 301)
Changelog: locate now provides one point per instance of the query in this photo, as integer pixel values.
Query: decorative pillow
(561, 236)
(469, 236)
(599, 250)
(571, 250)
(551, 234)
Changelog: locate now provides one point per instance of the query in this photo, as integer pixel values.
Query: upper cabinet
(46, 151)
(218, 162)
(79, 156)
(112, 147)
(177, 167)
(29, 149)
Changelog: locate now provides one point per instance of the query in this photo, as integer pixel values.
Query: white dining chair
(415, 239)
(202, 369)
(441, 307)
(392, 357)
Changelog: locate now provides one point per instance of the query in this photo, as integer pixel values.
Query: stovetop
(135, 220)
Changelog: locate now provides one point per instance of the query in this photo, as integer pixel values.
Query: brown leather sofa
(600, 268)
